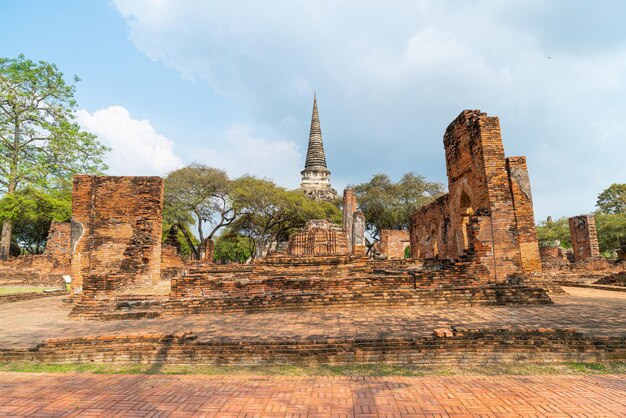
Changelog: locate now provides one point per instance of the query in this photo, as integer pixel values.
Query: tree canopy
(31, 212)
(388, 205)
(612, 199)
(201, 196)
(267, 212)
(41, 145)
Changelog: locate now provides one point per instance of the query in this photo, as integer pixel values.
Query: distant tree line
(610, 219)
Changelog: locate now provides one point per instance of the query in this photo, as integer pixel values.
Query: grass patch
(325, 370)
(14, 290)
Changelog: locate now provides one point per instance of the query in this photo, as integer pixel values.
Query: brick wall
(445, 347)
(524, 216)
(116, 231)
(45, 269)
(582, 228)
(320, 237)
(393, 243)
(488, 210)
(349, 209)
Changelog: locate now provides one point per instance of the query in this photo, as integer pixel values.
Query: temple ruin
(116, 232)
(584, 237)
(475, 245)
(487, 216)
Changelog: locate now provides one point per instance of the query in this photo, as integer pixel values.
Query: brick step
(442, 347)
(281, 301)
(135, 314)
(134, 305)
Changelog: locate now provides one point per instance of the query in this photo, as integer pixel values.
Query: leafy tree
(198, 195)
(388, 205)
(41, 145)
(31, 211)
(268, 213)
(611, 230)
(550, 231)
(612, 199)
(230, 247)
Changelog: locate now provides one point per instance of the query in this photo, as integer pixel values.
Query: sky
(230, 84)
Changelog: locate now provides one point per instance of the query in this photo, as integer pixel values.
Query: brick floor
(40, 394)
(596, 312)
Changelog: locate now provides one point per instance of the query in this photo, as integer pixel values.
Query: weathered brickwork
(359, 247)
(323, 238)
(582, 229)
(524, 216)
(445, 347)
(45, 269)
(116, 231)
(320, 237)
(349, 209)
(393, 243)
(479, 216)
(172, 263)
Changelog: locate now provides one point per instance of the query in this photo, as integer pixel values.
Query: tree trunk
(5, 239)
(7, 224)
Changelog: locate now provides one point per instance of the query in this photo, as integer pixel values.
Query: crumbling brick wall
(116, 231)
(488, 204)
(393, 243)
(524, 216)
(45, 269)
(582, 229)
(358, 245)
(349, 209)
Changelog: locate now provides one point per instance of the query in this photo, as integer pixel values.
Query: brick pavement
(41, 394)
(594, 312)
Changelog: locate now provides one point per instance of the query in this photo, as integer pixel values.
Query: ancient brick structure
(209, 251)
(393, 243)
(320, 237)
(172, 263)
(358, 244)
(349, 209)
(443, 347)
(487, 214)
(116, 232)
(58, 242)
(45, 269)
(316, 175)
(524, 216)
(584, 237)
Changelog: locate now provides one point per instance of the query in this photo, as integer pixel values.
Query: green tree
(31, 211)
(389, 205)
(550, 231)
(41, 145)
(612, 199)
(268, 213)
(611, 229)
(198, 195)
(229, 247)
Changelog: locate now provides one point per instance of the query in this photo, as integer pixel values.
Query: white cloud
(136, 148)
(391, 77)
(241, 151)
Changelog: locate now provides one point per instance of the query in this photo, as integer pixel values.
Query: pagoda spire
(316, 175)
(315, 156)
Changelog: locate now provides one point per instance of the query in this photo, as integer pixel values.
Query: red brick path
(29, 394)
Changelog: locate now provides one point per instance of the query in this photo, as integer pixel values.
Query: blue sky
(230, 84)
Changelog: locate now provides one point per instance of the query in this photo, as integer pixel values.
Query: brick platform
(41, 330)
(446, 347)
(258, 396)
